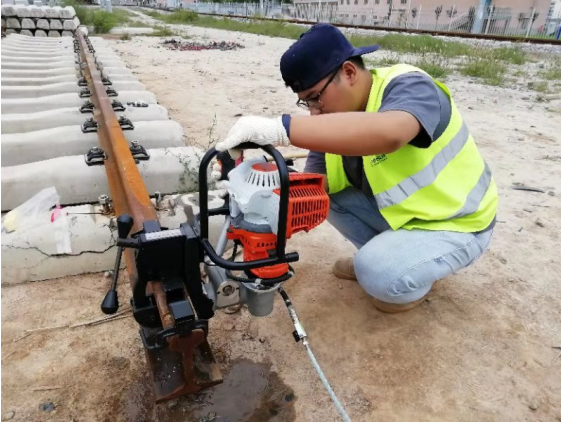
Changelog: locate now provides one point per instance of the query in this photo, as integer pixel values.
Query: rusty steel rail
(127, 188)
(406, 30)
(129, 196)
(128, 193)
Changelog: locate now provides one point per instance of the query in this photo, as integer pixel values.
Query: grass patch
(162, 31)
(180, 17)
(137, 24)
(394, 42)
(435, 65)
(491, 72)
(122, 16)
(487, 64)
(519, 73)
(390, 60)
(101, 20)
(509, 55)
(83, 14)
(271, 29)
(541, 86)
(552, 72)
(416, 44)
(153, 14)
(177, 17)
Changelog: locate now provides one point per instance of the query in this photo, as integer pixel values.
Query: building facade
(506, 17)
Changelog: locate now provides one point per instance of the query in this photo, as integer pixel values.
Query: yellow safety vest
(447, 186)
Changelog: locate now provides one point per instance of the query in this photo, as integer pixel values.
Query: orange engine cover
(308, 205)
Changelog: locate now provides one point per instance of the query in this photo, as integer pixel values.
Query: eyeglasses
(315, 102)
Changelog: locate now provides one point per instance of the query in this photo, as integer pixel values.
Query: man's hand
(259, 130)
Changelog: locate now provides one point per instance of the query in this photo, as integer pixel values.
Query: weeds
(413, 44)
(509, 55)
(137, 24)
(417, 44)
(271, 29)
(177, 17)
(125, 37)
(180, 16)
(492, 72)
(553, 71)
(101, 20)
(162, 31)
(551, 74)
(490, 65)
(122, 16)
(436, 66)
(541, 86)
(390, 60)
(153, 14)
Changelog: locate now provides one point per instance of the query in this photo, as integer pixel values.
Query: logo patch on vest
(378, 159)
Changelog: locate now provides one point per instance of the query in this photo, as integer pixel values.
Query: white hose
(338, 404)
(300, 334)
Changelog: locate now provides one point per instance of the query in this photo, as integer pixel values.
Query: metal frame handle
(204, 213)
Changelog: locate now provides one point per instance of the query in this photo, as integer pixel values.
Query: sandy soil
(482, 349)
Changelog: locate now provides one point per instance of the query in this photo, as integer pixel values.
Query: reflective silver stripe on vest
(426, 176)
(476, 195)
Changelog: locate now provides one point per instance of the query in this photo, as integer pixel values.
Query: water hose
(300, 334)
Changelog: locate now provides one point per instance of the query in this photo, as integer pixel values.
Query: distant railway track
(550, 41)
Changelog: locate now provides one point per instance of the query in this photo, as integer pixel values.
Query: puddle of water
(251, 392)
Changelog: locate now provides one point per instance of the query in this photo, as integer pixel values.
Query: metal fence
(269, 9)
(475, 20)
(489, 20)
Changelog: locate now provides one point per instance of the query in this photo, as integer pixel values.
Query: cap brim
(359, 51)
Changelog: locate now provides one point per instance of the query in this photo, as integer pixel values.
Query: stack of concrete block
(44, 145)
(39, 21)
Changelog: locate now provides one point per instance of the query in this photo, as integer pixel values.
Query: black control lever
(110, 303)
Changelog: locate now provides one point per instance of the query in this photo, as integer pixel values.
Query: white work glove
(259, 130)
(220, 185)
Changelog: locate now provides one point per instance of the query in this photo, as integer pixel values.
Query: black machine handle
(281, 257)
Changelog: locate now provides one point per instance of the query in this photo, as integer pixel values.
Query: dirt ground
(484, 348)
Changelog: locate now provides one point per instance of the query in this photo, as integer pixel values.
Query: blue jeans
(399, 266)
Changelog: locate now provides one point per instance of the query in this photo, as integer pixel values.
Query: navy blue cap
(317, 53)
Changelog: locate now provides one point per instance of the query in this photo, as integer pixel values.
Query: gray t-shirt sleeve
(414, 93)
(417, 94)
(315, 163)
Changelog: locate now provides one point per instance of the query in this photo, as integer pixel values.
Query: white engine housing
(251, 193)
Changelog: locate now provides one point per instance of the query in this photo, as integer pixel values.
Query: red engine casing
(308, 205)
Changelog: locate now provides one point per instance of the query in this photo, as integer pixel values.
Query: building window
(389, 1)
(342, 1)
(377, 1)
(356, 1)
(403, 1)
(365, 1)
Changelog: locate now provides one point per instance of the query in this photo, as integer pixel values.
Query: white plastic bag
(36, 212)
(32, 212)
